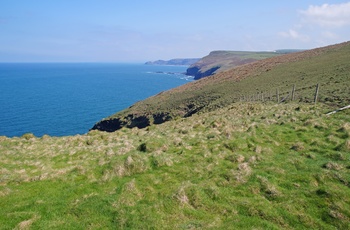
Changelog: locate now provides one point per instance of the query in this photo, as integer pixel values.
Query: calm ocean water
(67, 99)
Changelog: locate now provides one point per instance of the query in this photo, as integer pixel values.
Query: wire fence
(283, 96)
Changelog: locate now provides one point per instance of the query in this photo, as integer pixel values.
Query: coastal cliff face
(219, 61)
(198, 73)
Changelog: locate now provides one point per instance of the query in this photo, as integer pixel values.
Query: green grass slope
(328, 66)
(245, 166)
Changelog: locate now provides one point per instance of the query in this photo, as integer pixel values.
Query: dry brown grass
(26, 224)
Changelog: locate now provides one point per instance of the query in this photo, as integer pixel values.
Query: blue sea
(60, 99)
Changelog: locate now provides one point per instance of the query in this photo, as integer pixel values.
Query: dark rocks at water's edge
(197, 73)
(131, 121)
(177, 61)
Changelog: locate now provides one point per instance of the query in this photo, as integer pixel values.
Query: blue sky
(139, 30)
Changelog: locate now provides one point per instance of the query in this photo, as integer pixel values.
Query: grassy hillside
(247, 166)
(329, 67)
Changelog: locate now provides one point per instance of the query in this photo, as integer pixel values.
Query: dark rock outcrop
(138, 121)
(109, 125)
(131, 121)
(159, 118)
(198, 74)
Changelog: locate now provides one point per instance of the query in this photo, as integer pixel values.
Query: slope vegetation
(328, 66)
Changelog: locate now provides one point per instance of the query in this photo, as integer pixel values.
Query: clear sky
(146, 30)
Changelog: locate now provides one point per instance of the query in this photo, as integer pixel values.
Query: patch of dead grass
(26, 224)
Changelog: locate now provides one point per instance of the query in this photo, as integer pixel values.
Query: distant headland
(177, 61)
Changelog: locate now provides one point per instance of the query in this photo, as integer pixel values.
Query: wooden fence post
(293, 93)
(316, 93)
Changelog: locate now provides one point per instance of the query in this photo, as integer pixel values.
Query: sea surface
(60, 99)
